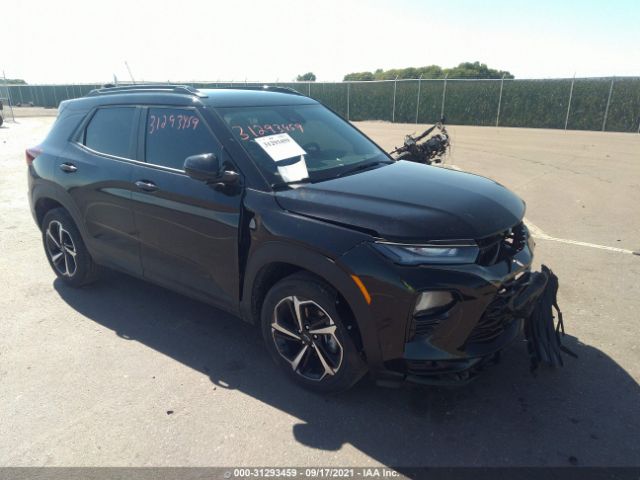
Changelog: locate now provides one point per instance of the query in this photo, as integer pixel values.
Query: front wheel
(306, 336)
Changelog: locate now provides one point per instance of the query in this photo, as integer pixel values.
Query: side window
(111, 131)
(174, 134)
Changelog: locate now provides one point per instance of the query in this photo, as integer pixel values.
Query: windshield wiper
(363, 166)
(277, 185)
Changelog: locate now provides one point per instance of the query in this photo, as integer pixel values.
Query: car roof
(238, 97)
(186, 95)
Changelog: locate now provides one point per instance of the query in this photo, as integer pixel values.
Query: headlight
(428, 254)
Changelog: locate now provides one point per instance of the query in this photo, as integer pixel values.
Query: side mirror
(204, 167)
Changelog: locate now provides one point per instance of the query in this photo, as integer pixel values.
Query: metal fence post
(566, 119)
(20, 93)
(13, 118)
(393, 112)
(500, 100)
(606, 110)
(444, 95)
(418, 99)
(309, 85)
(348, 98)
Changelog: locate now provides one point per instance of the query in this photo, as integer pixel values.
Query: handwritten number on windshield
(247, 132)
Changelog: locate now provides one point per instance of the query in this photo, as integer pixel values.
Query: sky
(69, 41)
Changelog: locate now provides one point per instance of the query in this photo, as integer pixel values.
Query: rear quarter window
(111, 131)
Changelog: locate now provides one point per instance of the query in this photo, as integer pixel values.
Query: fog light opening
(432, 301)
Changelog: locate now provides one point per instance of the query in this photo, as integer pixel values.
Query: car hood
(407, 201)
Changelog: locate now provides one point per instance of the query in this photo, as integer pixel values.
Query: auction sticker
(282, 147)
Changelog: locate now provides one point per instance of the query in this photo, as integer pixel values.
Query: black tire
(319, 309)
(74, 270)
(1, 120)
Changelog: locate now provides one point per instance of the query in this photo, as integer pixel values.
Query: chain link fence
(607, 104)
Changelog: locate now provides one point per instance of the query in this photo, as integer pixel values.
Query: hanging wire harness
(543, 334)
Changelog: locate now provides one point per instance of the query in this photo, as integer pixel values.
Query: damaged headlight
(428, 254)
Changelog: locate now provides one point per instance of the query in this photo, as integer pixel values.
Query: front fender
(329, 270)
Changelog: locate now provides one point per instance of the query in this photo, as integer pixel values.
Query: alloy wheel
(305, 336)
(61, 249)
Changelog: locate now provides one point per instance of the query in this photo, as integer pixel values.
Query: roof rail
(268, 88)
(147, 87)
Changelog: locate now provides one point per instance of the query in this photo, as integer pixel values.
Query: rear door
(96, 172)
(188, 230)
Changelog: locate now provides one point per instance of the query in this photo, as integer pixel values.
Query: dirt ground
(22, 112)
(128, 374)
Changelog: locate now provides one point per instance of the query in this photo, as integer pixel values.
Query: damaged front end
(525, 304)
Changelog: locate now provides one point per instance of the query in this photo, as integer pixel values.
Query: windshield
(327, 145)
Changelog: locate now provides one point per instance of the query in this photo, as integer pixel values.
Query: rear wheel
(306, 335)
(65, 249)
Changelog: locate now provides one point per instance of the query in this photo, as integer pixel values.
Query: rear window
(110, 131)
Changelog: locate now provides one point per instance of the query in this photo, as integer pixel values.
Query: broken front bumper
(445, 347)
(499, 325)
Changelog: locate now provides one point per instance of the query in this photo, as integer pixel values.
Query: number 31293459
(247, 132)
(174, 122)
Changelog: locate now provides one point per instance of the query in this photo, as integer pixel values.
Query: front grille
(502, 246)
(497, 317)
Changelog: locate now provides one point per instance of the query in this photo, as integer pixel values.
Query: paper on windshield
(281, 147)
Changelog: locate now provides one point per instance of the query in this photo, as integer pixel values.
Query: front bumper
(491, 303)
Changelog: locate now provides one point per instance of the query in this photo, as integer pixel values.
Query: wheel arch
(44, 205)
(46, 196)
(277, 260)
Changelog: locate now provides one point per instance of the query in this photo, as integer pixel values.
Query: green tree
(476, 70)
(15, 81)
(464, 70)
(307, 77)
(359, 76)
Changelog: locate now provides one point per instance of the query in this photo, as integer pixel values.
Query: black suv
(267, 204)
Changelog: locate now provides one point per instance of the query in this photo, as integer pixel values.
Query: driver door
(188, 231)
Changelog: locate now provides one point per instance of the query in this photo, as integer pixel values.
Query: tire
(72, 262)
(326, 361)
(1, 120)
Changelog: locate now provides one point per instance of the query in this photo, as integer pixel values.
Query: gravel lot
(128, 374)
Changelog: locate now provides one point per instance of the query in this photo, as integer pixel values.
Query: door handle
(68, 167)
(146, 186)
